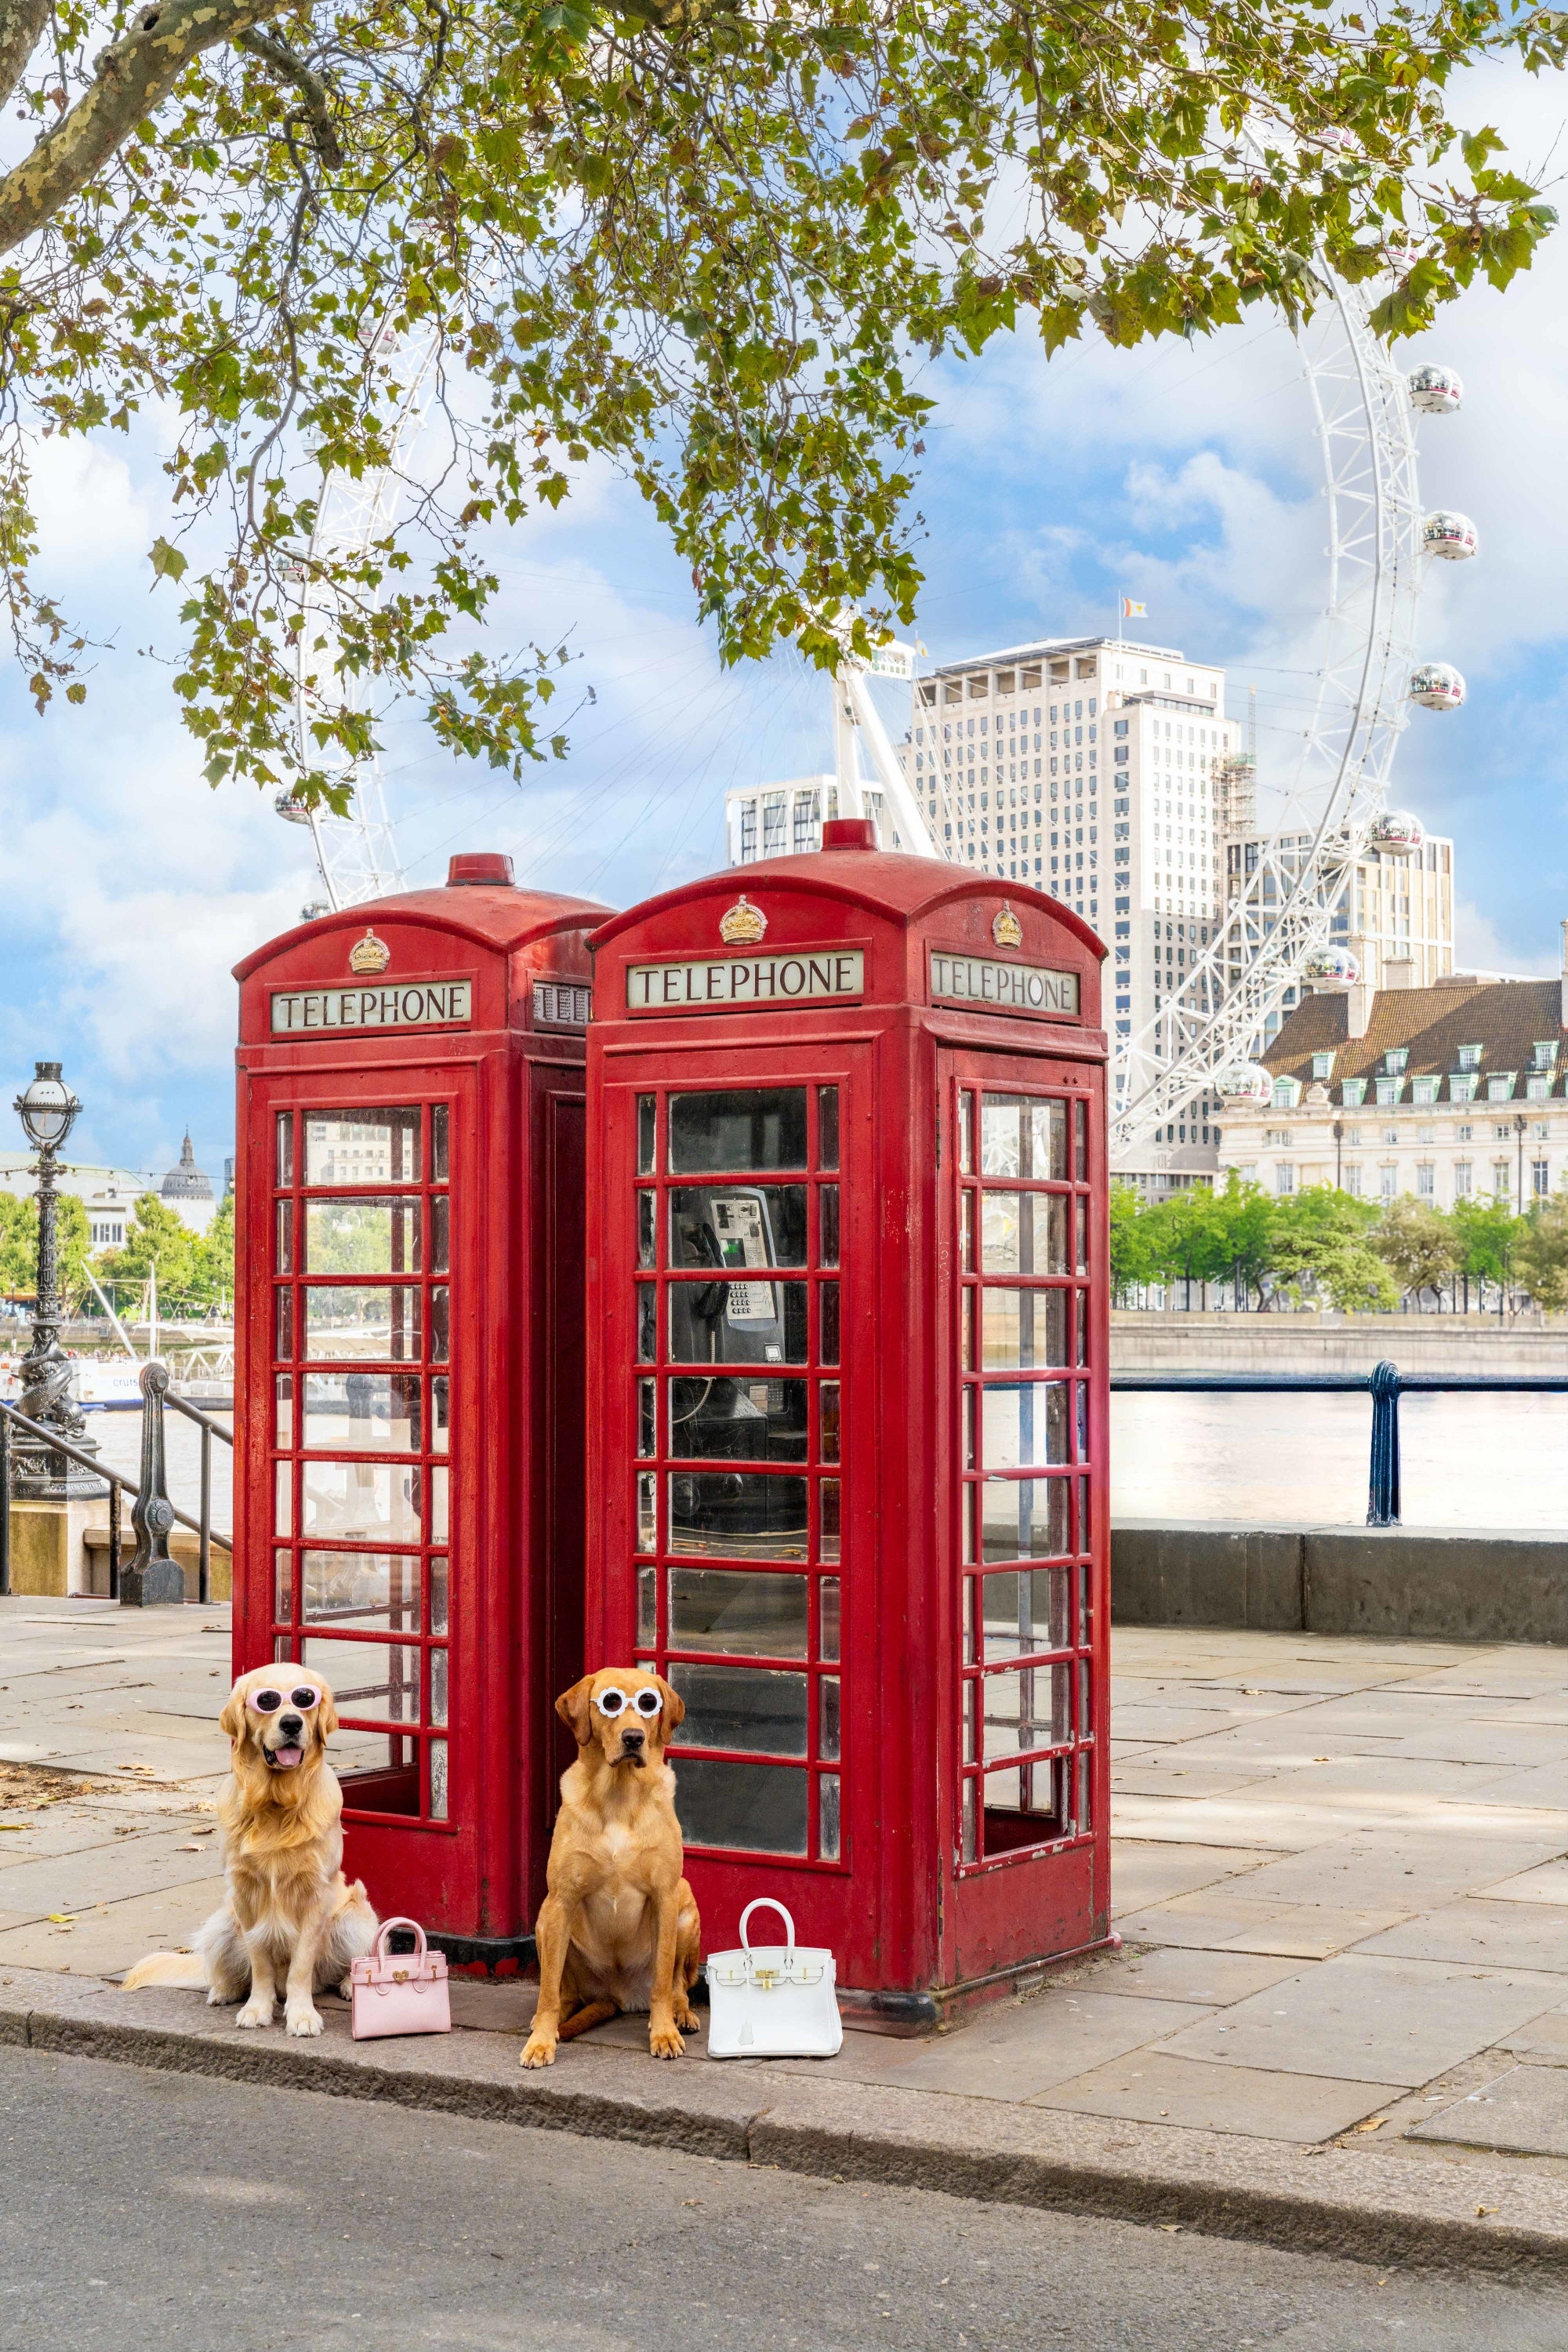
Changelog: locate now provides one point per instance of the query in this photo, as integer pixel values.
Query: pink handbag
(399, 1992)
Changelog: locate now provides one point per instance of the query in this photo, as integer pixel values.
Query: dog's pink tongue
(288, 1756)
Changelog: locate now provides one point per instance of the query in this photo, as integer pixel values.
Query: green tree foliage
(155, 1237)
(1421, 1247)
(18, 1244)
(1320, 1249)
(1245, 1215)
(711, 245)
(1488, 1235)
(212, 1280)
(1130, 1259)
(1541, 1254)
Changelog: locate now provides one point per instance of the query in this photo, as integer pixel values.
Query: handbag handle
(766, 1903)
(386, 1929)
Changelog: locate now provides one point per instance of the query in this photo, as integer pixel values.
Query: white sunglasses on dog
(613, 1702)
(267, 1701)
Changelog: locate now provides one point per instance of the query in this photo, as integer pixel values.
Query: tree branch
(312, 87)
(132, 78)
(21, 22)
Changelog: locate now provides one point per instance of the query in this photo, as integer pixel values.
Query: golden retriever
(287, 1910)
(618, 1928)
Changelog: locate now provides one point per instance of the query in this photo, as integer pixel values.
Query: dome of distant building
(187, 1181)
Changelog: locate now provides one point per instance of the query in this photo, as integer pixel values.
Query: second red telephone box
(847, 1317)
(409, 1354)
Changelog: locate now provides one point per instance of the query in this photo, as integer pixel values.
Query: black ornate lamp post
(47, 1110)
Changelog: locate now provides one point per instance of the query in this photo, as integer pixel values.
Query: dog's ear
(572, 1705)
(327, 1714)
(231, 1719)
(674, 1707)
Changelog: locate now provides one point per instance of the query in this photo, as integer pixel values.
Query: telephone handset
(731, 1320)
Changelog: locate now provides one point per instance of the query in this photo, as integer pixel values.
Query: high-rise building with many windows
(1090, 767)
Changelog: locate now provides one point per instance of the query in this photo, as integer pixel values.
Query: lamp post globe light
(47, 1109)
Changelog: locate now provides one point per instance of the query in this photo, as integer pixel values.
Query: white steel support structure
(1284, 908)
(855, 715)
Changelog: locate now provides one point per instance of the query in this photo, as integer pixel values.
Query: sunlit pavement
(1339, 1878)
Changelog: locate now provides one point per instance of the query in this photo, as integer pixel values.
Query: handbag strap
(386, 1929)
(766, 1903)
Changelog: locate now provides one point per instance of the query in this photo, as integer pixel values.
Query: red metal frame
(919, 1918)
(484, 1230)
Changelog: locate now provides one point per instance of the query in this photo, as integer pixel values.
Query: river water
(1465, 1461)
(1282, 1461)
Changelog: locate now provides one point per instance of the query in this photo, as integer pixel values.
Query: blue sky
(1186, 477)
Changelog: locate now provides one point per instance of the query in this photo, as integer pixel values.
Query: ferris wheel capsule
(1331, 967)
(1452, 536)
(1397, 833)
(294, 812)
(1436, 686)
(1245, 1082)
(1436, 391)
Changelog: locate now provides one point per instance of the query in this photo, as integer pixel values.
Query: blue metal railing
(150, 1574)
(1386, 1382)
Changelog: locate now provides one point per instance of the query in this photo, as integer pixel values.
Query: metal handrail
(156, 1395)
(1387, 1383)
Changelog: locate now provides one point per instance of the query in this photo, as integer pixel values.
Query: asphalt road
(152, 2212)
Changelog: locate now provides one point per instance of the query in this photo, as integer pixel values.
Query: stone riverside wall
(1146, 1341)
(1423, 1583)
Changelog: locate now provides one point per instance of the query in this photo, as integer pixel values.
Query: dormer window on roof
(1287, 1092)
(1462, 1086)
(1470, 1056)
(1424, 1090)
(1396, 1059)
(1353, 1092)
(1389, 1089)
(1543, 1054)
(1323, 1064)
(1500, 1086)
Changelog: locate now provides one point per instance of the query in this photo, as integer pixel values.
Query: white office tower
(1092, 768)
(1088, 767)
(785, 820)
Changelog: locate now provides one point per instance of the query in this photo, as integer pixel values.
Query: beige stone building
(1451, 1092)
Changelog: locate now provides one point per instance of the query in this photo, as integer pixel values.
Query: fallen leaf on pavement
(1374, 2123)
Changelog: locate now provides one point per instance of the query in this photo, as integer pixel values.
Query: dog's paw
(686, 2019)
(538, 2052)
(303, 2022)
(254, 2012)
(664, 2041)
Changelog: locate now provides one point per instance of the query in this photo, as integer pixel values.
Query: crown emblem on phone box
(369, 954)
(744, 924)
(1007, 931)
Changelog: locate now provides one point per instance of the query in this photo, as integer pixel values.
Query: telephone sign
(848, 1314)
(409, 1351)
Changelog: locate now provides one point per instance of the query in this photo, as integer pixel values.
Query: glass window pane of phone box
(362, 1147)
(742, 1513)
(738, 1613)
(742, 1129)
(343, 1320)
(737, 1322)
(361, 1237)
(369, 1678)
(377, 1592)
(739, 1420)
(743, 1808)
(364, 1412)
(755, 1709)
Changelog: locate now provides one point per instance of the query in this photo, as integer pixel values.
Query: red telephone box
(409, 1366)
(848, 1305)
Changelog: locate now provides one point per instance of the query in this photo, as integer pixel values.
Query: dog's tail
(186, 1968)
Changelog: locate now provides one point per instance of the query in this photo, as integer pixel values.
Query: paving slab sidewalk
(1340, 2016)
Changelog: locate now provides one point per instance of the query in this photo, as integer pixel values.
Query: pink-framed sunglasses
(267, 1700)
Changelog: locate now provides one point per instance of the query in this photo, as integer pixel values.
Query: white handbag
(772, 2000)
